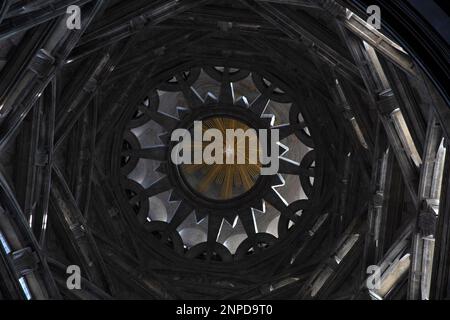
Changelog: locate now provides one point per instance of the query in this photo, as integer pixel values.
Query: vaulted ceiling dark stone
(85, 123)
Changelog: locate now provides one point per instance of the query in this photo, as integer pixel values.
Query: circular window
(228, 166)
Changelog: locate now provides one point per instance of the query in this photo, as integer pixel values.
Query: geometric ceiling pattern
(86, 178)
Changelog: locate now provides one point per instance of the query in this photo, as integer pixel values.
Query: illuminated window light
(25, 289)
(359, 133)
(405, 137)
(4, 243)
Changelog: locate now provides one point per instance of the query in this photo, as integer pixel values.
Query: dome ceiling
(218, 212)
(87, 179)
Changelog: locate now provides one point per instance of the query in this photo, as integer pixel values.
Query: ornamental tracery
(217, 212)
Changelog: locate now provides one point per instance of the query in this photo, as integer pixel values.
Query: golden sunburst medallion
(238, 171)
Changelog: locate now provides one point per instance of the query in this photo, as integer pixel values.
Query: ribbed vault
(85, 123)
